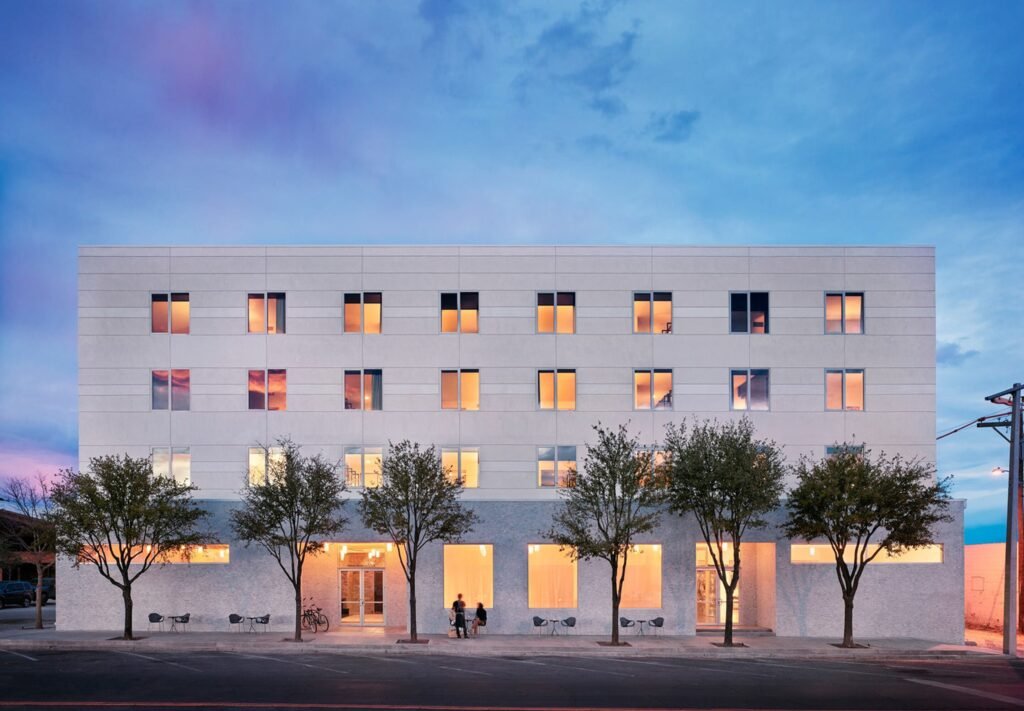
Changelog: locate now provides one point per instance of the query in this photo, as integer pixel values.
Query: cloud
(672, 126)
(951, 353)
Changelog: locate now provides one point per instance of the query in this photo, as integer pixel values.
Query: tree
(729, 480)
(416, 503)
(851, 500)
(122, 519)
(30, 536)
(300, 502)
(604, 509)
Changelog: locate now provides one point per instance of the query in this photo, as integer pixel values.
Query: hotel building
(505, 358)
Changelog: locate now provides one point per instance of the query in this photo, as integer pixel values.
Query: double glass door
(362, 596)
(711, 599)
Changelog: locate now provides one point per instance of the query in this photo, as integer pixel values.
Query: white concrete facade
(118, 352)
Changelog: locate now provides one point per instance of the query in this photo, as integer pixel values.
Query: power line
(972, 422)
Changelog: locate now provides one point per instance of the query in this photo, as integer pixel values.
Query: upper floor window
(363, 312)
(556, 465)
(652, 389)
(652, 312)
(750, 389)
(268, 389)
(263, 460)
(748, 312)
(462, 465)
(363, 466)
(844, 389)
(556, 389)
(266, 313)
(170, 312)
(364, 389)
(171, 388)
(460, 389)
(173, 463)
(836, 448)
(459, 311)
(844, 312)
(556, 312)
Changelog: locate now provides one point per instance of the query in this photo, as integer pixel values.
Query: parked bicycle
(314, 619)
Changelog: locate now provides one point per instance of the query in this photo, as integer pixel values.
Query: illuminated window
(173, 463)
(844, 389)
(266, 313)
(556, 389)
(750, 389)
(459, 311)
(363, 312)
(462, 465)
(556, 465)
(748, 312)
(822, 553)
(652, 389)
(556, 312)
(551, 572)
(363, 466)
(262, 460)
(268, 389)
(171, 388)
(364, 389)
(642, 586)
(206, 553)
(844, 312)
(175, 319)
(469, 570)
(460, 389)
(652, 312)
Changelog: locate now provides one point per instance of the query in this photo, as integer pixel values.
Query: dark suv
(16, 592)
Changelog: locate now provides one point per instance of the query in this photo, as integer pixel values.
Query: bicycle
(313, 618)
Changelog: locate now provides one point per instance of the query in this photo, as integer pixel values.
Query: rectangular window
(556, 312)
(159, 312)
(363, 466)
(834, 449)
(844, 389)
(363, 312)
(750, 389)
(469, 571)
(161, 392)
(642, 586)
(173, 463)
(262, 460)
(556, 465)
(268, 389)
(257, 390)
(652, 389)
(460, 389)
(844, 312)
(206, 553)
(171, 389)
(175, 318)
(556, 389)
(364, 389)
(459, 312)
(267, 313)
(822, 553)
(180, 313)
(652, 312)
(462, 465)
(551, 576)
(748, 312)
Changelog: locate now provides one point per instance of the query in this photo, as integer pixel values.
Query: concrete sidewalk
(386, 642)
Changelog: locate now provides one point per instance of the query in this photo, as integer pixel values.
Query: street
(222, 680)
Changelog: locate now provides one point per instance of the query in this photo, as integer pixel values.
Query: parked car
(50, 588)
(17, 592)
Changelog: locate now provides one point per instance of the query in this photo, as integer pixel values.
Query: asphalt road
(72, 680)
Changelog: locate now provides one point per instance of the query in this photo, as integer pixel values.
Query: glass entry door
(707, 596)
(362, 596)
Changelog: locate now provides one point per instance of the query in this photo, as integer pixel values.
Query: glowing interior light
(389, 547)
(221, 552)
(483, 551)
(810, 551)
(327, 547)
(148, 548)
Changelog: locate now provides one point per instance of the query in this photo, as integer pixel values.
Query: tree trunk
(412, 607)
(847, 620)
(729, 592)
(126, 594)
(298, 610)
(39, 597)
(615, 606)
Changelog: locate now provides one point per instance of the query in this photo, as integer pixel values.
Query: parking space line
(806, 667)
(159, 661)
(390, 659)
(556, 667)
(19, 654)
(288, 661)
(681, 667)
(465, 671)
(967, 690)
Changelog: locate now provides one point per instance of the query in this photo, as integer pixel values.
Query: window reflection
(364, 389)
(180, 389)
(257, 390)
(470, 392)
(372, 311)
(180, 313)
(750, 389)
(748, 312)
(449, 389)
(844, 312)
(161, 389)
(277, 390)
(833, 313)
(854, 390)
(556, 465)
(546, 389)
(257, 314)
(833, 390)
(353, 313)
(158, 313)
(181, 466)
(853, 321)
(566, 389)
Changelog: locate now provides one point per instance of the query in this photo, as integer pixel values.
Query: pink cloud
(27, 463)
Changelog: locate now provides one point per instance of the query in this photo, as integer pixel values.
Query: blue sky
(533, 122)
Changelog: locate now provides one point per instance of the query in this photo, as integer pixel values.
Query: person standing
(459, 608)
(481, 618)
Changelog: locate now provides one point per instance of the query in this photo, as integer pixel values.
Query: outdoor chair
(656, 624)
(538, 623)
(263, 621)
(155, 618)
(568, 624)
(236, 621)
(180, 620)
(626, 622)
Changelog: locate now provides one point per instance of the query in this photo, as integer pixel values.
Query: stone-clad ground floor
(506, 563)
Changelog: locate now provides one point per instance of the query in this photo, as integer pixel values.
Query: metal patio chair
(236, 621)
(568, 624)
(155, 618)
(626, 622)
(656, 624)
(539, 623)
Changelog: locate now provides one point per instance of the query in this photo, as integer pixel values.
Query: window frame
(556, 451)
(266, 389)
(575, 575)
(575, 390)
(748, 371)
(750, 314)
(362, 389)
(362, 312)
(282, 328)
(458, 312)
(459, 449)
(170, 300)
(651, 406)
(460, 407)
(360, 449)
(554, 314)
(842, 294)
(171, 452)
(650, 304)
(170, 390)
(842, 388)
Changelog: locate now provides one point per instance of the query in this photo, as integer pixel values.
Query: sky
(475, 121)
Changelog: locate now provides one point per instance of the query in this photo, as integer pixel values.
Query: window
(175, 319)
(460, 389)
(363, 312)
(551, 575)
(364, 389)
(652, 389)
(750, 389)
(463, 464)
(823, 553)
(556, 389)
(844, 312)
(363, 466)
(262, 460)
(748, 312)
(844, 389)
(834, 448)
(206, 553)
(173, 463)
(469, 569)
(642, 586)
(266, 313)
(459, 312)
(556, 312)
(171, 389)
(268, 389)
(556, 465)
(652, 312)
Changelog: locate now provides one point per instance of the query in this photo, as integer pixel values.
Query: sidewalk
(386, 642)
(992, 640)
